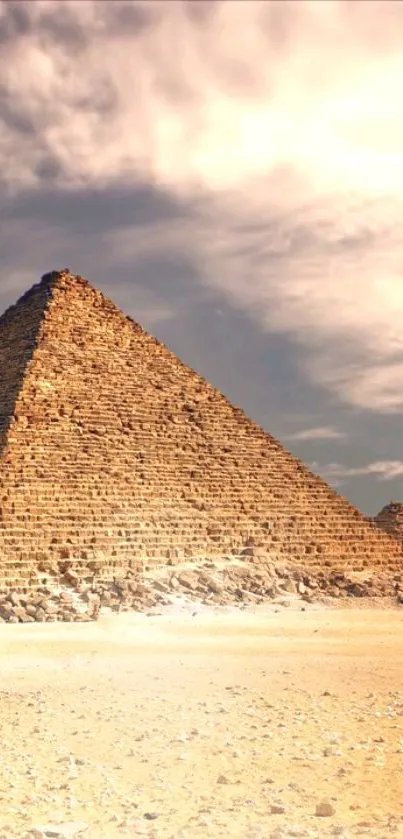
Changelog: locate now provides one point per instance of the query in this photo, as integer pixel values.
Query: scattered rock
(325, 808)
(66, 830)
(188, 579)
(277, 809)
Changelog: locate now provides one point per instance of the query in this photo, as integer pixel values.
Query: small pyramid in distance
(113, 450)
(390, 519)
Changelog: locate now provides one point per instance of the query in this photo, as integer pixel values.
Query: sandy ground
(230, 724)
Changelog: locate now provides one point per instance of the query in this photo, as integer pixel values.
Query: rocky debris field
(216, 726)
(70, 595)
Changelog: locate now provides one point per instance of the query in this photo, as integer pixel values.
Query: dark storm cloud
(81, 211)
(130, 18)
(79, 229)
(60, 26)
(58, 22)
(15, 22)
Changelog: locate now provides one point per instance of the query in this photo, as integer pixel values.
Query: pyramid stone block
(113, 450)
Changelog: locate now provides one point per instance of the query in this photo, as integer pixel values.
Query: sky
(231, 175)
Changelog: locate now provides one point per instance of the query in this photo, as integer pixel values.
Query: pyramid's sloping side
(120, 451)
(19, 332)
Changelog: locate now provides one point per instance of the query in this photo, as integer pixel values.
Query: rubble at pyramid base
(63, 594)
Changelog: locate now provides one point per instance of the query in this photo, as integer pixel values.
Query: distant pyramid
(390, 519)
(113, 449)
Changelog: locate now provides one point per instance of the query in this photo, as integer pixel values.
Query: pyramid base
(81, 592)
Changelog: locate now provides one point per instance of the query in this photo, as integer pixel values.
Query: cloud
(319, 433)
(277, 125)
(366, 383)
(336, 473)
(188, 106)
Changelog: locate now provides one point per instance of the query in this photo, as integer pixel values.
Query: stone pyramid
(390, 519)
(113, 453)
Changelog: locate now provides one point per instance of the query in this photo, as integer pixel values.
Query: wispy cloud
(337, 473)
(325, 432)
(279, 122)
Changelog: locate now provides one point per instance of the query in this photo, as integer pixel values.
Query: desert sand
(207, 724)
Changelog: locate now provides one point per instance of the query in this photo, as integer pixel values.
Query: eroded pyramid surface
(112, 449)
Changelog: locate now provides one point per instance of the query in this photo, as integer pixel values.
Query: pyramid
(390, 519)
(114, 452)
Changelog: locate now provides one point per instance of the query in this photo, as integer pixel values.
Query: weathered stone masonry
(113, 450)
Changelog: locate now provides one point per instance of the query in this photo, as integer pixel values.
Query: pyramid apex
(65, 274)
